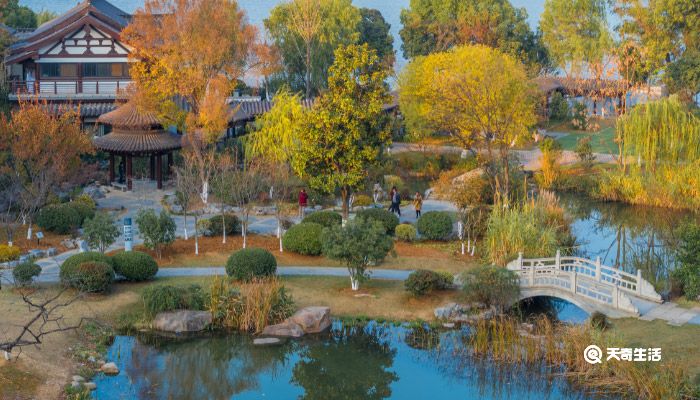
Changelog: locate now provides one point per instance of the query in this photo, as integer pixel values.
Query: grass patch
(601, 142)
(16, 382)
(679, 344)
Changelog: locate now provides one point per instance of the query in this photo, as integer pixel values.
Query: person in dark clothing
(395, 201)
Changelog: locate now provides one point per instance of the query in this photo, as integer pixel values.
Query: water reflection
(626, 236)
(372, 361)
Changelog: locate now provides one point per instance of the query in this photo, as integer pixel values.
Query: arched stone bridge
(587, 284)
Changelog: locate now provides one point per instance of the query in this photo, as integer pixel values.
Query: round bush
(76, 259)
(247, 264)
(135, 265)
(304, 238)
(388, 219)
(89, 276)
(84, 210)
(406, 232)
(324, 218)
(8, 253)
(214, 226)
(435, 225)
(59, 218)
(422, 281)
(25, 273)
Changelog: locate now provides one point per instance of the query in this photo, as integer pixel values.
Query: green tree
(347, 130)
(100, 231)
(688, 272)
(307, 32)
(683, 76)
(576, 34)
(493, 286)
(478, 95)
(45, 16)
(374, 31)
(157, 230)
(16, 16)
(359, 244)
(431, 26)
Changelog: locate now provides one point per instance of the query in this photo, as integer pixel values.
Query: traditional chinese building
(74, 59)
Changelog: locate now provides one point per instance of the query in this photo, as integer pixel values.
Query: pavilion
(136, 133)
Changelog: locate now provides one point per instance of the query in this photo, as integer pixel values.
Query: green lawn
(602, 141)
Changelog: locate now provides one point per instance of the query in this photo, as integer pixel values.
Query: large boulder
(312, 319)
(285, 329)
(109, 368)
(182, 321)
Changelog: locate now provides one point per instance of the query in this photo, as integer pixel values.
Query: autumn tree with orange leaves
(39, 150)
(190, 55)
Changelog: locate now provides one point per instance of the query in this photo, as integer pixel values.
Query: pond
(627, 237)
(371, 361)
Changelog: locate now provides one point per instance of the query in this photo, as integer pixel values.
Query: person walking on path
(418, 203)
(303, 201)
(395, 201)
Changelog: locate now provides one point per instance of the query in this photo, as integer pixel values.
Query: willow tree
(478, 95)
(662, 131)
(189, 55)
(276, 136)
(347, 129)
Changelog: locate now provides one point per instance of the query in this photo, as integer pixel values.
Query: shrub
(579, 119)
(304, 238)
(88, 276)
(422, 281)
(599, 321)
(100, 231)
(215, 227)
(435, 225)
(688, 255)
(135, 266)
(559, 108)
(362, 200)
(8, 253)
(83, 209)
(406, 232)
(73, 261)
(551, 171)
(157, 230)
(25, 273)
(386, 218)
(59, 218)
(493, 286)
(324, 218)
(161, 298)
(247, 264)
(584, 151)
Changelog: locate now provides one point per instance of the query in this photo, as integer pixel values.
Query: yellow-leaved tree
(478, 95)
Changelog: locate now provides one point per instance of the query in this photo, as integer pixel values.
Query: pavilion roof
(130, 117)
(138, 142)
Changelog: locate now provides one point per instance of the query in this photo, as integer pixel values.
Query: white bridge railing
(585, 278)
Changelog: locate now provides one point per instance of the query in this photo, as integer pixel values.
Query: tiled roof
(87, 110)
(129, 116)
(148, 141)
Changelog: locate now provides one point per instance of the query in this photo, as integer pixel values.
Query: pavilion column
(153, 166)
(169, 170)
(159, 170)
(111, 168)
(129, 183)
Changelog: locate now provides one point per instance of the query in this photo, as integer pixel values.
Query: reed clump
(249, 306)
(561, 348)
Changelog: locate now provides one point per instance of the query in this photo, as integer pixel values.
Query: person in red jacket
(303, 200)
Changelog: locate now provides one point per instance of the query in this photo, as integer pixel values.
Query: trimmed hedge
(406, 232)
(435, 225)
(160, 298)
(423, 281)
(135, 266)
(65, 217)
(304, 238)
(327, 219)
(25, 273)
(214, 227)
(89, 276)
(76, 259)
(8, 253)
(247, 264)
(388, 219)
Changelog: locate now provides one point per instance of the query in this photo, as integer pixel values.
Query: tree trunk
(344, 196)
(308, 70)
(186, 238)
(196, 236)
(223, 224)
(205, 192)
(29, 231)
(354, 282)
(244, 230)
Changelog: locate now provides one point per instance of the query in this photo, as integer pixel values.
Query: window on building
(105, 70)
(58, 70)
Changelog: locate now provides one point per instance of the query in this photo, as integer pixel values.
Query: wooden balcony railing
(54, 88)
